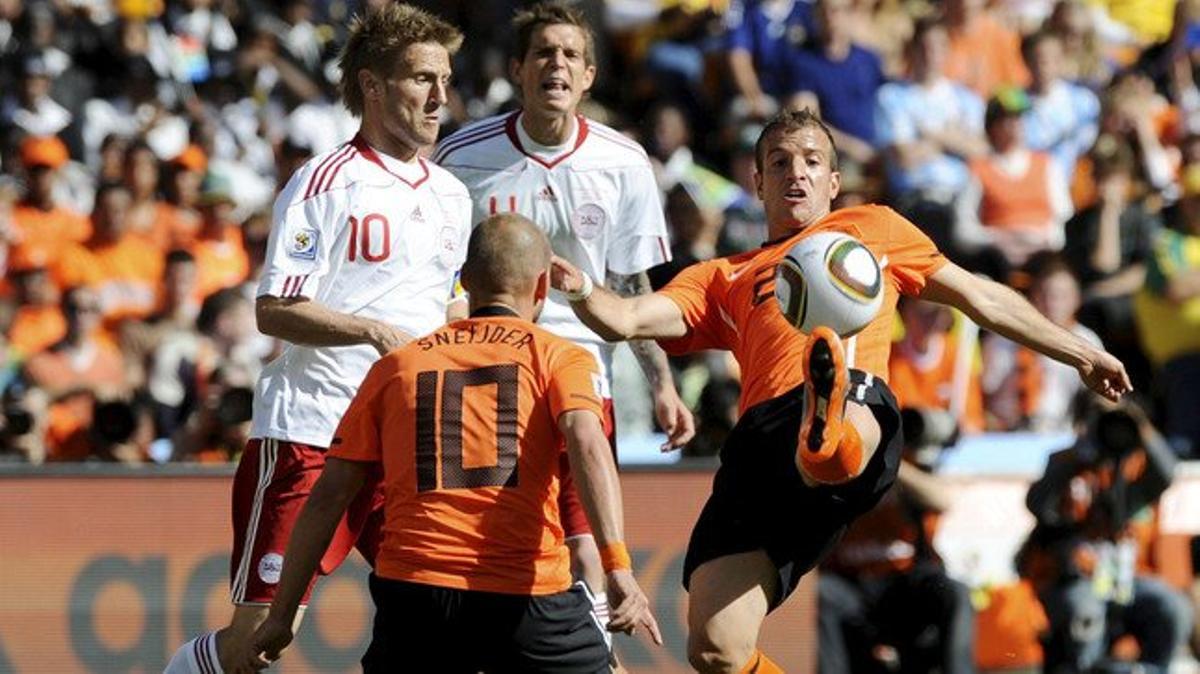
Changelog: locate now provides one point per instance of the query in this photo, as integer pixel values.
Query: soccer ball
(829, 279)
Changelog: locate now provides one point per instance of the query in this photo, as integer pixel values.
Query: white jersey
(364, 234)
(595, 197)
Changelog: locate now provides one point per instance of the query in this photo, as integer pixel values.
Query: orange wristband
(614, 557)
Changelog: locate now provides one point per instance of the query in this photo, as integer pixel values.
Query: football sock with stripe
(761, 664)
(198, 656)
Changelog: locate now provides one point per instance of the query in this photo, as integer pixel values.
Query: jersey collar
(581, 134)
(372, 156)
(494, 310)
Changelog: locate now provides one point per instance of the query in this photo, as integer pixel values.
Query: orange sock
(761, 664)
(838, 466)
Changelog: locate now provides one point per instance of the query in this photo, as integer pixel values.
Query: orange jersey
(927, 380)
(729, 303)
(465, 423)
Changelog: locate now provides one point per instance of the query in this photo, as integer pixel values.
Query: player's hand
(386, 338)
(674, 417)
(1104, 374)
(564, 276)
(265, 646)
(629, 609)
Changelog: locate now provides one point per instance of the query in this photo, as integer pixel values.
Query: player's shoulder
(321, 175)
(484, 137)
(610, 147)
(554, 347)
(444, 183)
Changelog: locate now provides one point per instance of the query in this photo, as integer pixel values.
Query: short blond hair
(378, 37)
(526, 21)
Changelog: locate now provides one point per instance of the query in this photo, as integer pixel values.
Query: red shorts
(570, 508)
(273, 481)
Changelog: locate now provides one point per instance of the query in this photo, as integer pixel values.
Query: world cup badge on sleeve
(302, 244)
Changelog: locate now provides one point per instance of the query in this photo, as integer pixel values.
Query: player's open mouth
(555, 85)
(795, 194)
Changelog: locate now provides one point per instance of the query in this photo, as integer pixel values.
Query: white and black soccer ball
(829, 279)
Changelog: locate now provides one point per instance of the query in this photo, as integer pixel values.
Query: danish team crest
(448, 247)
(588, 221)
(303, 244)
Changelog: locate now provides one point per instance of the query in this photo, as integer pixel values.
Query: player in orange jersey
(467, 424)
(818, 442)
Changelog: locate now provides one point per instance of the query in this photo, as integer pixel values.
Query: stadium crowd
(1052, 145)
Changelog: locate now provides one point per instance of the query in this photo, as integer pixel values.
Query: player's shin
(198, 656)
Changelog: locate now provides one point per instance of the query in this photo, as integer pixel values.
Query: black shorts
(759, 500)
(426, 628)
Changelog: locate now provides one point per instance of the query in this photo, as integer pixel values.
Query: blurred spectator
(220, 254)
(841, 78)
(1107, 246)
(924, 370)
(39, 321)
(136, 109)
(929, 127)
(111, 165)
(1063, 118)
(115, 262)
(745, 219)
(885, 603)
(84, 359)
(1167, 311)
(1092, 505)
(31, 110)
(716, 415)
(149, 217)
(1134, 113)
(185, 174)
(1084, 61)
(203, 38)
(761, 37)
(884, 27)
(695, 229)
(1017, 200)
(984, 54)
(1025, 390)
(41, 226)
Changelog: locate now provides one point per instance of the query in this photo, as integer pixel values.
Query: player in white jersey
(365, 246)
(591, 189)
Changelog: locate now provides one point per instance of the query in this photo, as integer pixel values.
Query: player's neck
(548, 130)
(387, 143)
(523, 310)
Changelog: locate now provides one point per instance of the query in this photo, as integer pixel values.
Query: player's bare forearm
(595, 474)
(1002, 310)
(308, 323)
(331, 495)
(617, 318)
(650, 356)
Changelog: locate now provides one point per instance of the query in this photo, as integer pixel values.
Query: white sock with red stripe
(198, 656)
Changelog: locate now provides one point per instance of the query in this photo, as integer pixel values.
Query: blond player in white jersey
(365, 246)
(591, 189)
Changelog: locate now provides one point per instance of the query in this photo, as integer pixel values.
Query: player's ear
(369, 84)
(758, 184)
(514, 71)
(835, 184)
(589, 77)
(542, 289)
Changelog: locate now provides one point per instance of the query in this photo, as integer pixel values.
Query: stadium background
(114, 483)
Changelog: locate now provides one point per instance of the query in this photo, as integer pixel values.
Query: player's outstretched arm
(613, 317)
(300, 320)
(331, 495)
(600, 491)
(1001, 309)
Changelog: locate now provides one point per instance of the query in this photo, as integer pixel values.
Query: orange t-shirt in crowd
(126, 275)
(42, 234)
(927, 380)
(729, 303)
(220, 263)
(465, 423)
(985, 57)
(36, 328)
(1015, 201)
(170, 228)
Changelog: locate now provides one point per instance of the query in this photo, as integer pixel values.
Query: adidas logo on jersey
(416, 215)
(546, 194)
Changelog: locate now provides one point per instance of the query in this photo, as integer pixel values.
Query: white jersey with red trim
(359, 233)
(595, 196)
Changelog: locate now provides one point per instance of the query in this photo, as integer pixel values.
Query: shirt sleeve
(574, 382)
(639, 239)
(298, 248)
(358, 436)
(690, 290)
(911, 255)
